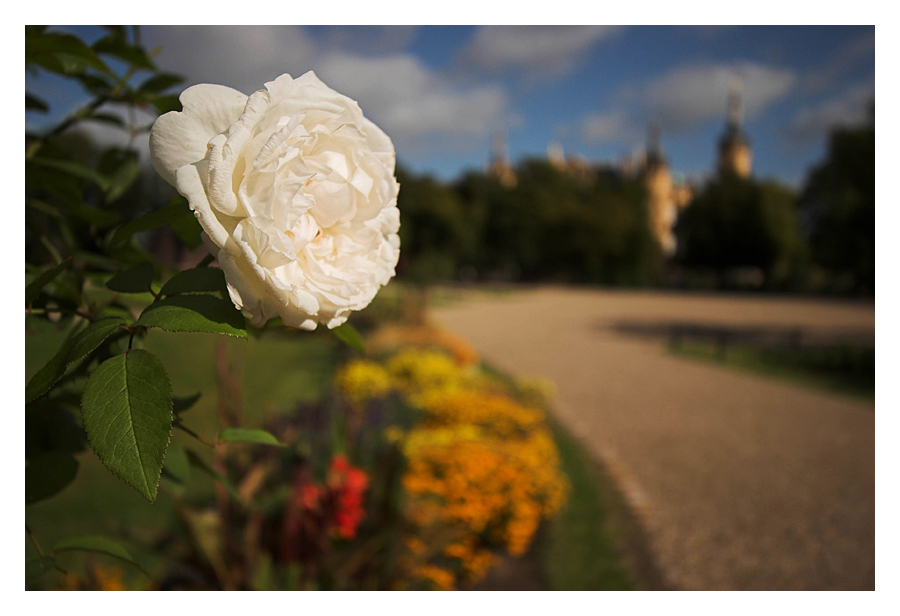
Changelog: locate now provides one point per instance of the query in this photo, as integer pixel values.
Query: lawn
(582, 547)
(841, 369)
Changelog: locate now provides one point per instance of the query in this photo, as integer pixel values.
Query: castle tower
(735, 152)
(556, 156)
(662, 209)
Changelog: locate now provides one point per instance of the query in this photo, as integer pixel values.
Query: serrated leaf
(160, 82)
(47, 475)
(35, 104)
(177, 464)
(195, 313)
(127, 414)
(176, 207)
(136, 279)
(95, 545)
(242, 435)
(201, 464)
(180, 405)
(34, 289)
(196, 280)
(349, 336)
(73, 349)
(36, 567)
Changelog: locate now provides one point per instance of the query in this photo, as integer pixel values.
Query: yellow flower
(440, 579)
(482, 470)
(361, 381)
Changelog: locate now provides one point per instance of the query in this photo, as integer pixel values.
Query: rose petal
(179, 138)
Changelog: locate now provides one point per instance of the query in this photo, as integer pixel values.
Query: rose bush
(295, 191)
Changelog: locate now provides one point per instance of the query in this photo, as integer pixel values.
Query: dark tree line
(550, 226)
(593, 227)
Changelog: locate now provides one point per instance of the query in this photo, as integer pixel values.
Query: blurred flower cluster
(482, 469)
(334, 509)
(96, 577)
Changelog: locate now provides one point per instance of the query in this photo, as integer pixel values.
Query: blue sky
(440, 91)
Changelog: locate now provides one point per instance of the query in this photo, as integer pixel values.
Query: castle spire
(735, 153)
(655, 155)
(653, 138)
(735, 103)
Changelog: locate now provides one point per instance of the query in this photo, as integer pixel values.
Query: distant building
(499, 166)
(575, 166)
(664, 197)
(735, 151)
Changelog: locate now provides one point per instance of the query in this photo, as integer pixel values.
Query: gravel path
(742, 482)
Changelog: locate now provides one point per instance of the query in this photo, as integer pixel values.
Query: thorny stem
(40, 552)
(34, 541)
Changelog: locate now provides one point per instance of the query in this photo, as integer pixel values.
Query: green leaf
(35, 104)
(95, 85)
(47, 475)
(177, 463)
(36, 567)
(96, 216)
(115, 45)
(195, 313)
(241, 435)
(180, 405)
(107, 118)
(127, 414)
(349, 336)
(34, 289)
(61, 53)
(49, 428)
(196, 280)
(160, 82)
(73, 169)
(188, 230)
(122, 179)
(164, 104)
(136, 279)
(96, 545)
(201, 464)
(73, 349)
(176, 208)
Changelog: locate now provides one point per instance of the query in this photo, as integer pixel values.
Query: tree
(739, 223)
(839, 205)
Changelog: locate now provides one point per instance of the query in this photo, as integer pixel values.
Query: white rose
(295, 190)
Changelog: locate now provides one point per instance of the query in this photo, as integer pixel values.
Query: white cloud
(413, 103)
(613, 126)
(692, 94)
(684, 98)
(410, 101)
(812, 124)
(242, 57)
(538, 51)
